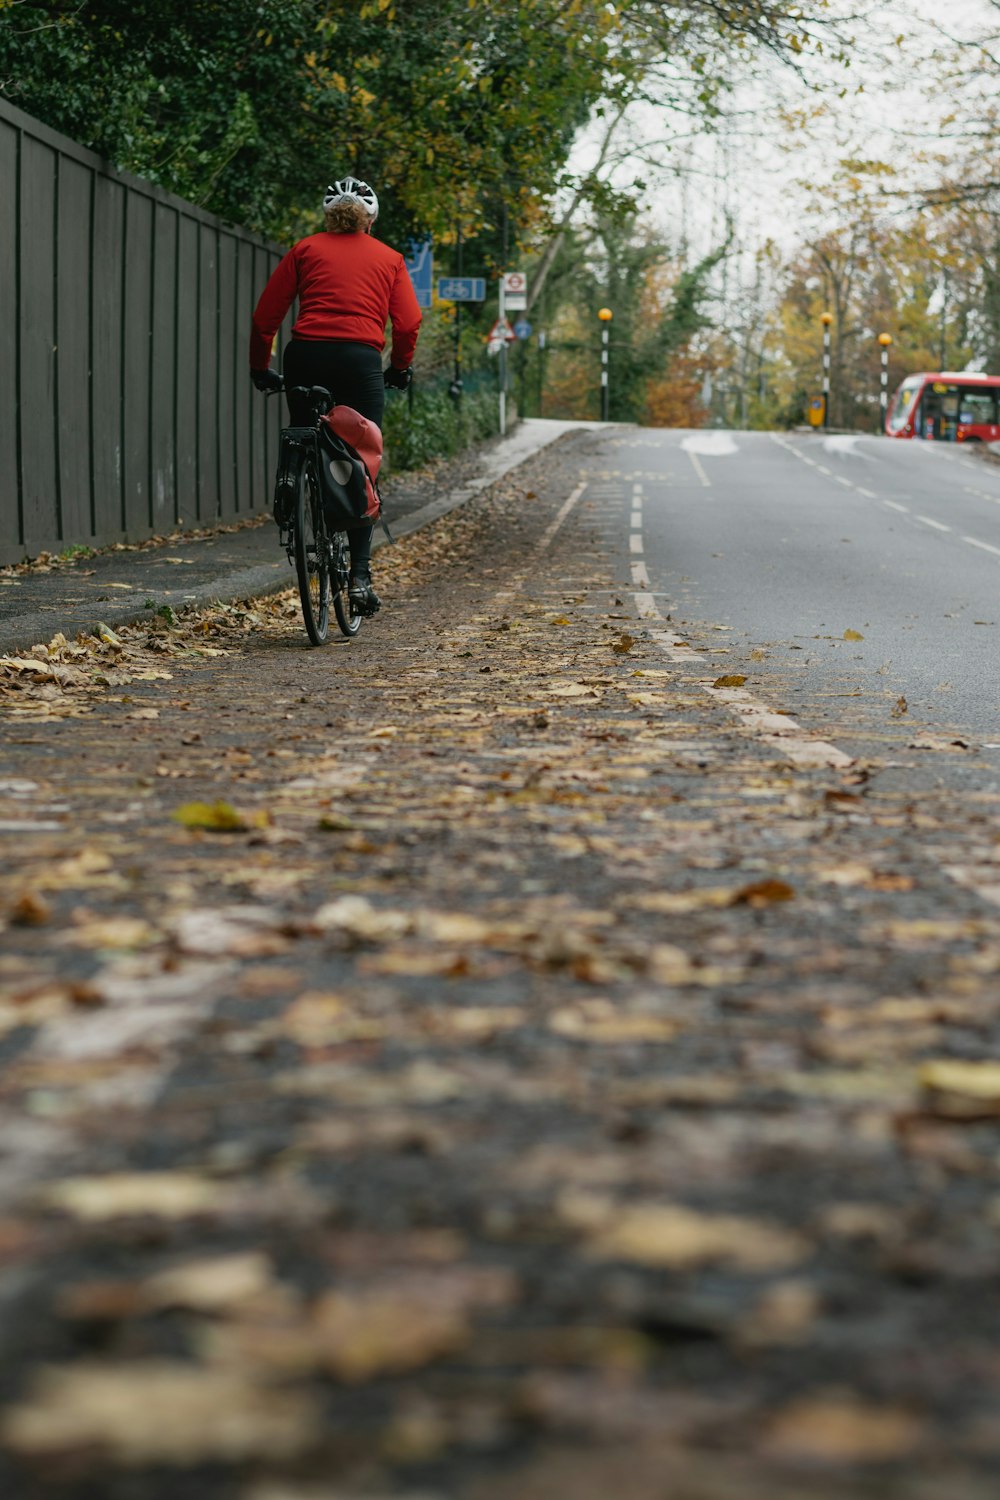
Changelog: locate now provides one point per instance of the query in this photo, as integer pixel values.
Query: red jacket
(347, 286)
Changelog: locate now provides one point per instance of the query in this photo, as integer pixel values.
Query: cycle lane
(541, 1064)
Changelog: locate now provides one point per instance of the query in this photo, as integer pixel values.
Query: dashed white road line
(985, 546)
(981, 494)
(895, 505)
(929, 521)
(635, 543)
(778, 730)
(561, 515)
(699, 468)
(640, 578)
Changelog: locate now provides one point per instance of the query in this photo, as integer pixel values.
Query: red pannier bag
(350, 457)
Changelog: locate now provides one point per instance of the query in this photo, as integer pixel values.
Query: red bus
(951, 407)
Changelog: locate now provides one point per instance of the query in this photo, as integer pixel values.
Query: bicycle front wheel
(349, 622)
(312, 556)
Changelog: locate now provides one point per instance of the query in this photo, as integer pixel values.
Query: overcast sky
(759, 172)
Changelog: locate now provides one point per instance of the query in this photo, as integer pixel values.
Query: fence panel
(106, 361)
(9, 495)
(72, 428)
(37, 324)
(124, 317)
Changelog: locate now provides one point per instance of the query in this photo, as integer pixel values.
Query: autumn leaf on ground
(169, 1412)
(218, 817)
(164, 1195)
(730, 680)
(654, 1234)
(624, 643)
(853, 635)
(835, 1428)
(764, 893)
(900, 707)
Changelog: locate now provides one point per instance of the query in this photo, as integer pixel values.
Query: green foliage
(455, 109)
(433, 425)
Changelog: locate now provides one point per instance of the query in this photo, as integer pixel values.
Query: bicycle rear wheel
(312, 556)
(349, 622)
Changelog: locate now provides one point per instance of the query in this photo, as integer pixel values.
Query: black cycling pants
(352, 373)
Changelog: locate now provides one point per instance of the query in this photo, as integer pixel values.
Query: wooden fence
(127, 410)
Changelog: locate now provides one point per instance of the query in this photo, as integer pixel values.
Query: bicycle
(321, 559)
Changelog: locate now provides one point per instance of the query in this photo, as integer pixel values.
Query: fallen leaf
(30, 910)
(853, 635)
(219, 817)
(837, 1429)
(978, 1081)
(599, 1021)
(213, 1284)
(384, 1332)
(163, 1195)
(730, 680)
(653, 1234)
(168, 1412)
(764, 893)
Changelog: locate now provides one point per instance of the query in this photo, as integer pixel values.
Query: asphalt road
(788, 541)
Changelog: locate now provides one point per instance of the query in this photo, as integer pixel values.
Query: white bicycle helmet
(352, 187)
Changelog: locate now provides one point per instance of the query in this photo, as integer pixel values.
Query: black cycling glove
(267, 380)
(397, 380)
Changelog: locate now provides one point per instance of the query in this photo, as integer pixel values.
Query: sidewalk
(124, 584)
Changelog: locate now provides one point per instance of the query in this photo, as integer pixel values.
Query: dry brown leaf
(213, 1284)
(384, 1332)
(679, 903)
(764, 893)
(110, 932)
(972, 1080)
(853, 635)
(159, 1412)
(165, 1195)
(599, 1021)
(730, 680)
(654, 1234)
(836, 1428)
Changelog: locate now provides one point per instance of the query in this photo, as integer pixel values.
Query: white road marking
(699, 469)
(868, 494)
(895, 505)
(640, 578)
(981, 494)
(841, 480)
(635, 543)
(563, 512)
(929, 521)
(779, 730)
(986, 546)
(824, 470)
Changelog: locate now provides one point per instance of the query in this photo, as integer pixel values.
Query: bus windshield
(902, 407)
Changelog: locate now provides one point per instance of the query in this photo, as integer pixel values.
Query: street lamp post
(885, 339)
(826, 319)
(605, 314)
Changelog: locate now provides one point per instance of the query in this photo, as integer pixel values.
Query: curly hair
(347, 216)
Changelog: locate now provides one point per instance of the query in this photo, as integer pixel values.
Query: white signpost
(513, 298)
(515, 291)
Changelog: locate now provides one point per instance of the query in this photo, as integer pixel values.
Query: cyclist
(348, 285)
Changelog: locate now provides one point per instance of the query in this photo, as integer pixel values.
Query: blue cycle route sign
(522, 328)
(462, 288)
(420, 264)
